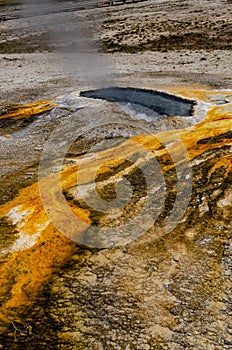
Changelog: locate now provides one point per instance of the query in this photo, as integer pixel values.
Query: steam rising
(73, 37)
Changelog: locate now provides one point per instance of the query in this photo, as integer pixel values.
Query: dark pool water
(150, 102)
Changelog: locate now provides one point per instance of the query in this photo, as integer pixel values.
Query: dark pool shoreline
(160, 102)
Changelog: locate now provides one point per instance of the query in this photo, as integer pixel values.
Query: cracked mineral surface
(115, 223)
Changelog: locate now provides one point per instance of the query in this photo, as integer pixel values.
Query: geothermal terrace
(115, 216)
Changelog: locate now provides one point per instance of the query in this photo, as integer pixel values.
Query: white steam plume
(72, 36)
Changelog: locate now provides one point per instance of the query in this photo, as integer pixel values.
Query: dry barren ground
(162, 291)
(189, 41)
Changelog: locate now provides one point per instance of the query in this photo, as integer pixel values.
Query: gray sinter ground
(162, 291)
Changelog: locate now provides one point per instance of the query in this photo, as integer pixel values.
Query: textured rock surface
(162, 291)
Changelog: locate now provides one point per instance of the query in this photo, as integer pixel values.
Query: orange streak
(23, 273)
(26, 111)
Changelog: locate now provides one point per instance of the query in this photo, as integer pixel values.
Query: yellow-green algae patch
(24, 111)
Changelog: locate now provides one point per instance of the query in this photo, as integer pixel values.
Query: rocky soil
(164, 290)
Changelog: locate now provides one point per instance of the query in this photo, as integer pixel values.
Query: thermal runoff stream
(116, 175)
